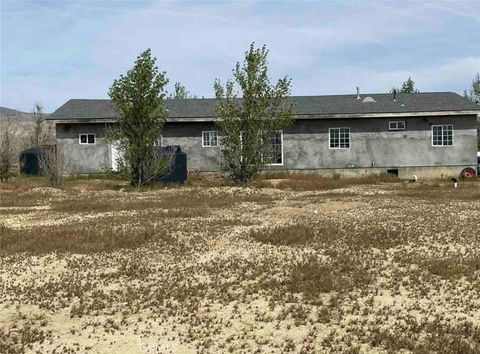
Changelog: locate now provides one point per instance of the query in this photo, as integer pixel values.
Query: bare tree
(51, 162)
(7, 150)
(163, 163)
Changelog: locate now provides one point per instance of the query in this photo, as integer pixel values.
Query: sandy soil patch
(361, 269)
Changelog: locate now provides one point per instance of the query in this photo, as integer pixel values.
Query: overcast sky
(52, 51)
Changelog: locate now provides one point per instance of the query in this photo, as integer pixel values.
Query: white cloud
(317, 44)
(453, 75)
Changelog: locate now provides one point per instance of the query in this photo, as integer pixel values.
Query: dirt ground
(98, 267)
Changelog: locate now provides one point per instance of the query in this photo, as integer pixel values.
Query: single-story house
(424, 134)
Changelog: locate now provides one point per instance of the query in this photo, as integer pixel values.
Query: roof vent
(358, 93)
(368, 100)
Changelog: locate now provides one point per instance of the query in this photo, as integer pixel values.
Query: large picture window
(275, 151)
(339, 138)
(210, 138)
(442, 135)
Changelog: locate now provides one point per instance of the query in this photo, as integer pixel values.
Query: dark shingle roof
(303, 105)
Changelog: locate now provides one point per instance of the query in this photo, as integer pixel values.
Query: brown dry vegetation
(293, 263)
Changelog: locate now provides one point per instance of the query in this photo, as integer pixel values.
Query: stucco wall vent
(368, 100)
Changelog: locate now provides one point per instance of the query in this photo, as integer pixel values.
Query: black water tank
(178, 170)
(29, 160)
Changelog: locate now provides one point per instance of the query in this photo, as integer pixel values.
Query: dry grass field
(301, 265)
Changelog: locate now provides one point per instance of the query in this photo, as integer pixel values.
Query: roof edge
(299, 117)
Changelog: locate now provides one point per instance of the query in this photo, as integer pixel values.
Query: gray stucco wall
(83, 158)
(189, 137)
(306, 146)
(371, 141)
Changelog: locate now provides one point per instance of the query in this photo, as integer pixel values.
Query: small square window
(86, 139)
(397, 125)
(210, 138)
(339, 138)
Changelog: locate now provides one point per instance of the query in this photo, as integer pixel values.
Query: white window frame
(281, 142)
(330, 137)
(241, 144)
(209, 140)
(159, 142)
(87, 143)
(443, 127)
(396, 125)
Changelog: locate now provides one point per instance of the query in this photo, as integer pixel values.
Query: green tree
(407, 87)
(249, 122)
(474, 94)
(37, 137)
(180, 93)
(138, 98)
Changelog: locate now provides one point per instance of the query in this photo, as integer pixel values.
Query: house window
(396, 125)
(210, 139)
(339, 138)
(275, 149)
(86, 139)
(442, 135)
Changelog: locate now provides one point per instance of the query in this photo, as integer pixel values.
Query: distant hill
(18, 116)
(22, 124)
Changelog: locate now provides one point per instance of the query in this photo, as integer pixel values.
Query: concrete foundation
(403, 172)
